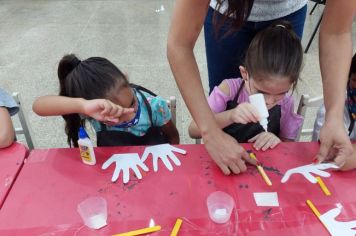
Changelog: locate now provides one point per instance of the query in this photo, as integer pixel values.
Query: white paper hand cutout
(308, 169)
(163, 152)
(337, 228)
(125, 162)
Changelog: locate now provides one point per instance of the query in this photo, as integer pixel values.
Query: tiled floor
(35, 34)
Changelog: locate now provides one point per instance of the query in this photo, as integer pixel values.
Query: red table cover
(53, 182)
(11, 161)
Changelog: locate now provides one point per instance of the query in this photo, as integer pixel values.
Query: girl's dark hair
(92, 78)
(353, 66)
(236, 14)
(276, 50)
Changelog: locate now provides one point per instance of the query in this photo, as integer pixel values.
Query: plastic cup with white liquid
(93, 211)
(220, 206)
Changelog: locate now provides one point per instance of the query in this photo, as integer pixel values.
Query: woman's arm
(335, 52)
(223, 119)
(187, 22)
(7, 133)
(170, 130)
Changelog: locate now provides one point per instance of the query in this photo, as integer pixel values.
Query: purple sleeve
(290, 121)
(218, 99)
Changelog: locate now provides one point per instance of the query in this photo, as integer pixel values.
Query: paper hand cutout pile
(127, 161)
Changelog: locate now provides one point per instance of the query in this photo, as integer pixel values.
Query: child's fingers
(255, 116)
(249, 116)
(242, 119)
(261, 141)
(248, 113)
(275, 143)
(114, 111)
(119, 111)
(251, 140)
(106, 108)
(269, 143)
(127, 111)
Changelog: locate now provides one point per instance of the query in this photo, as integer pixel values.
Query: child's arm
(170, 130)
(58, 105)
(99, 109)
(244, 113)
(7, 133)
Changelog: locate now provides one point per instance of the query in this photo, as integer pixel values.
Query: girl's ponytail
(65, 67)
(72, 121)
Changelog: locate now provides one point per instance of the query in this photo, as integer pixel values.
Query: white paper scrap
(266, 199)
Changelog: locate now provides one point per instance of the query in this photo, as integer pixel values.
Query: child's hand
(104, 110)
(244, 113)
(264, 140)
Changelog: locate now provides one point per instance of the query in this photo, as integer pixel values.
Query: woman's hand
(264, 141)
(226, 152)
(335, 145)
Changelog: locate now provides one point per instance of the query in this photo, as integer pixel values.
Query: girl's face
(274, 88)
(125, 97)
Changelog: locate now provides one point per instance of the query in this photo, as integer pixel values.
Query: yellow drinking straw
(316, 212)
(261, 170)
(176, 227)
(323, 186)
(140, 231)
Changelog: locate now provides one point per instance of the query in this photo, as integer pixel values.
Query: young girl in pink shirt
(273, 63)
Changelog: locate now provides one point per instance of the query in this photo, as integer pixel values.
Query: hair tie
(76, 61)
(279, 25)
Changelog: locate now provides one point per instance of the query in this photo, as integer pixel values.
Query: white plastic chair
(306, 102)
(172, 104)
(24, 129)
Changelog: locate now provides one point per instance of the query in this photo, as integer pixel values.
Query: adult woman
(335, 45)
(188, 19)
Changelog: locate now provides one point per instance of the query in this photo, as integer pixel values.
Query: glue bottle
(86, 148)
(259, 102)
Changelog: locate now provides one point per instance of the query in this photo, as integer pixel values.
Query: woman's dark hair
(276, 50)
(235, 15)
(353, 66)
(92, 78)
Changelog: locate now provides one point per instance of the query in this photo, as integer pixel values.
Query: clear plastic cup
(93, 211)
(220, 206)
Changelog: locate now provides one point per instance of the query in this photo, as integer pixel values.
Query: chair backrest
(319, 1)
(24, 129)
(172, 104)
(304, 103)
